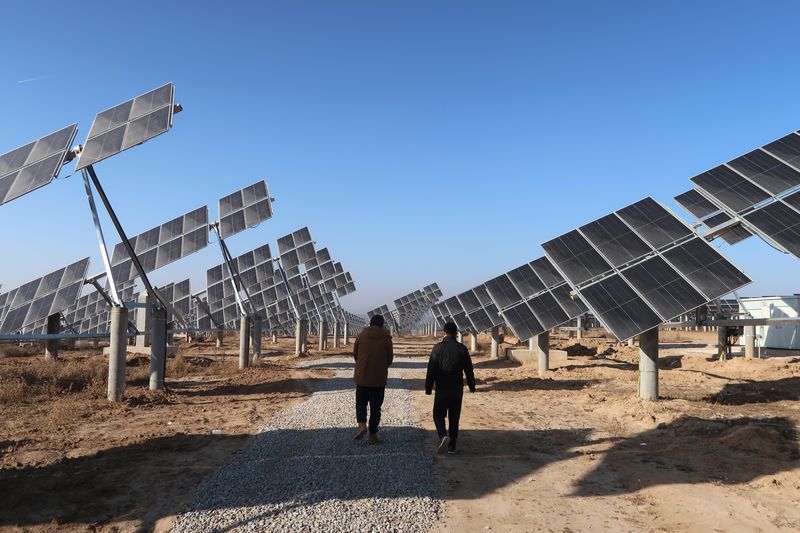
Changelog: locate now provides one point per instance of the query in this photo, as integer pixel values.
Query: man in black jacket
(446, 368)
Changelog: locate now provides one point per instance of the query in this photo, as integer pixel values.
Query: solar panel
(522, 321)
(696, 203)
(546, 271)
(730, 188)
(525, 280)
(34, 165)
(244, 209)
(615, 240)
(257, 276)
(667, 292)
(162, 245)
(766, 171)
(45, 296)
(547, 310)
(622, 311)
(654, 223)
(573, 307)
(576, 257)
(128, 124)
(786, 149)
(709, 272)
(780, 223)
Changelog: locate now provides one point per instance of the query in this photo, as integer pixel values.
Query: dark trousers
(447, 403)
(374, 397)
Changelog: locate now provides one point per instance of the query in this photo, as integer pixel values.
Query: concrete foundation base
(531, 357)
(143, 350)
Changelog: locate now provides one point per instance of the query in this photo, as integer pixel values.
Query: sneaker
(451, 451)
(361, 431)
(373, 438)
(443, 445)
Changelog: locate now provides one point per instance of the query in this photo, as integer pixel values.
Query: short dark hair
(451, 329)
(376, 320)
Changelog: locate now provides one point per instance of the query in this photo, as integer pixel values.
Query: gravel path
(304, 472)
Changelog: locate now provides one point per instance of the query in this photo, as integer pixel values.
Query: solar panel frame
(128, 124)
(35, 164)
(244, 209)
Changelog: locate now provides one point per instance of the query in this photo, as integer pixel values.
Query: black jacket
(449, 362)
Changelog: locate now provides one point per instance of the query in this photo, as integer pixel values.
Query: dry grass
(40, 378)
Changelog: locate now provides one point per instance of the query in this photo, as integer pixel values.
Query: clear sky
(420, 141)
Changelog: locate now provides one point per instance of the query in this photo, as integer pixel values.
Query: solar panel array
(92, 313)
(530, 299)
(760, 190)
(162, 245)
(255, 273)
(34, 165)
(641, 266)
(244, 209)
(36, 300)
(128, 124)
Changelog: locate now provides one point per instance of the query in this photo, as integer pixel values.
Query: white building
(782, 337)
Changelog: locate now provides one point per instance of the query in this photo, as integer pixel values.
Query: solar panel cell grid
(576, 257)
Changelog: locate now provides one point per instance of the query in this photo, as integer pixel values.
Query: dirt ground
(573, 450)
(71, 460)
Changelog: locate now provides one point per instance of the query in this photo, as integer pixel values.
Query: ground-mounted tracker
(162, 245)
(481, 312)
(179, 296)
(244, 209)
(647, 268)
(45, 296)
(128, 124)
(91, 313)
(754, 190)
(532, 298)
(34, 165)
(256, 273)
(711, 216)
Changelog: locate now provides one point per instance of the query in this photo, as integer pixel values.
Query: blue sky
(420, 141)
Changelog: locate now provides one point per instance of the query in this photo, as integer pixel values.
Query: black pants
(373, 396)
(447, 402)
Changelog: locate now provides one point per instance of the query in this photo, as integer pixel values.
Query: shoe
(361, 431)
(373, 438)
(443, 445)
(451, 451)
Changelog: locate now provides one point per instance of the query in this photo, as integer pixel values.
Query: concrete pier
(543, 351)
(749, 342)
(117, 351)
(648, 365)
(158, 348)
(473, 343)
(346, 338)
(53, 328)
(495, 350)
(336, 334)
(255, 337)
(244, 342)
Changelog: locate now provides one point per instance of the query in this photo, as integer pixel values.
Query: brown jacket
(373, 354)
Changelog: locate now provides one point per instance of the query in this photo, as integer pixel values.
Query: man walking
(449, 362)
(373, 354)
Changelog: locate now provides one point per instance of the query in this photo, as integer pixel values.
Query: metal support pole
(298, 336)
(543, 349)
(336, 334)
(220, 336)
(255, 334)
(473, 343)
(722, 342)
(244, 342)
(495, 352)
(53, 327)
(346, 333)
(749, 342)
(648, 365)
(158, 348)
(116, 353)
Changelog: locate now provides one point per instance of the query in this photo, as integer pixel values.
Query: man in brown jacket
(373, 354)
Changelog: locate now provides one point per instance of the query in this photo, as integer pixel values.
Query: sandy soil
(70, 460)
(574, 450)
(577, 451)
